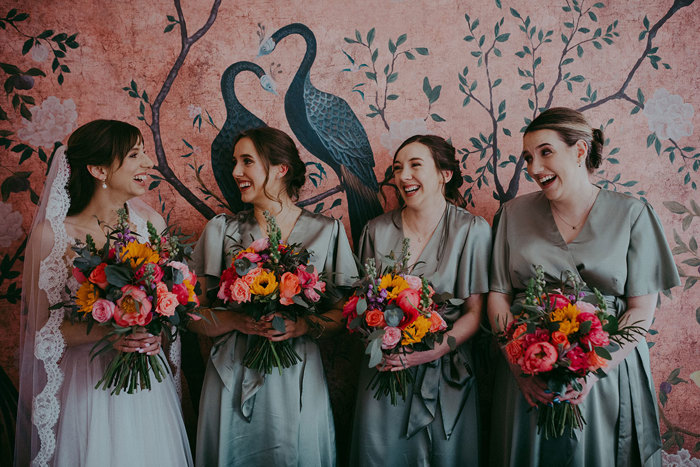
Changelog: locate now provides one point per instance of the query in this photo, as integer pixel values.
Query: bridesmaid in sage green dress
(247, 418)
(614, 243)
(437, 425)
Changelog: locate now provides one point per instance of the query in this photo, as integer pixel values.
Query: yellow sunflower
(136, 253)
(264, 283)
(393, 285)
(86, 297)
(566, 317)
(414, 332)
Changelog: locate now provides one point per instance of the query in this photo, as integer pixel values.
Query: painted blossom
(51, 121)
(194, 110)
(669, 117)
(682, 458)
(11, 226)
(39, 52)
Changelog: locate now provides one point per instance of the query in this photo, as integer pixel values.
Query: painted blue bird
(328, 128)
(238, 119)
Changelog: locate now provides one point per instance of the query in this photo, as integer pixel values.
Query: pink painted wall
(641, 87)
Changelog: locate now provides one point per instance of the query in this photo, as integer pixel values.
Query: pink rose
(595, 322)
(133, 308)
(586, 307)
(240, 291)
(595, 338)
(167, 303)
(539, 358)
(102, 310)
(79, 276)
(391, 337)
(414, 282)
(182, 267)
(578, 361)
(310, 283)
(260, 245)
(157, 272)
(252, 274)
(558, 301)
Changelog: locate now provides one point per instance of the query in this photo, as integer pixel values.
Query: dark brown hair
(445, 159)
(99, 142)
(572, 126)
(275, 147)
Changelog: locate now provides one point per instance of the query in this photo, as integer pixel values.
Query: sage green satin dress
(621, 250)
(247, 418)
(437, 425)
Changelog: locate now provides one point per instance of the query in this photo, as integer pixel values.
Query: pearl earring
(104, 182)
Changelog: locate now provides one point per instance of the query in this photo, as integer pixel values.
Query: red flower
(595, 322)
(98, 276)
(408, 300)
(540, 335)
(557, 300)
(182, 293)
(539, 358)
(578, 360)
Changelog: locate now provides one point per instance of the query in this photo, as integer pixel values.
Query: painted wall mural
(350, 81)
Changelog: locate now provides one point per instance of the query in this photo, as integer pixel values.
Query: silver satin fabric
(621, 250)
(247, 418)
(437, 425)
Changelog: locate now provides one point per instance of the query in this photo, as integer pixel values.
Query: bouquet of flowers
(130, 285)
(396, 313)
(272, 278)
(562, 335)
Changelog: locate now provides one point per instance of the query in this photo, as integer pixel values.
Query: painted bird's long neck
(309, 55)
(228, 89)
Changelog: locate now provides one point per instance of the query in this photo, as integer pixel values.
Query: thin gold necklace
(585, 212)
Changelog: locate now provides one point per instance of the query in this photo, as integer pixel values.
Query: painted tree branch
(162, 166)
(321, 196)
(620, 94)
(673, 427)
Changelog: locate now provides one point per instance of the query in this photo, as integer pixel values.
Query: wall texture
(475, 71)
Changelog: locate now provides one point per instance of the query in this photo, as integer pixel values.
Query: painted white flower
(695, 378)
(194, 110)
(669, 117)
(11, 226)
(401, 131)
(39, 52)
(680, 459)
(51, 121)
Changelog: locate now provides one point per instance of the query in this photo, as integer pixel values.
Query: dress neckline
(584, 228)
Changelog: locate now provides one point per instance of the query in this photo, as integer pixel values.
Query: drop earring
(104, 182)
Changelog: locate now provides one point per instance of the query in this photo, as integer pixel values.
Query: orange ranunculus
(559, 337)
(375, 318)
(98, 276)
(289, 287)
(519, 331)
(595, 361)
(514, 351)
(437, 323)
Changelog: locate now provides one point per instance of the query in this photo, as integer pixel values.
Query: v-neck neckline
(430, 239)
(583, 228)
(256, 226)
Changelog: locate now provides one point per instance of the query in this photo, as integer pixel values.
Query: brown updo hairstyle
(445, 159)
(99, 142)
(275, 147)
(572, 126)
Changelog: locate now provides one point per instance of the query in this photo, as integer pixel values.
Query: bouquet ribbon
(447, 380)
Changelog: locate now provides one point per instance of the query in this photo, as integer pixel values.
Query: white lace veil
(41, 342)
(44, 281)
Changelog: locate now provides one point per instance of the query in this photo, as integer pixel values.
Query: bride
(62, 419)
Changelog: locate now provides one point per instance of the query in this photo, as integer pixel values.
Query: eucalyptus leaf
(278, 324)
(393, 315)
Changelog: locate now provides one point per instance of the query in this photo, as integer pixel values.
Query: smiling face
(128, 178)
(250, 174)
(418, 179)
(554, 165)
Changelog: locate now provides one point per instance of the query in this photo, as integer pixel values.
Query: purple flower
(665, 387)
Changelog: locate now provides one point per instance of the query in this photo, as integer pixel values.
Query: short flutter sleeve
(341, 265)
(473, 268)
(500, 255)
(209, 258)
(365, 247)
(650, 266)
